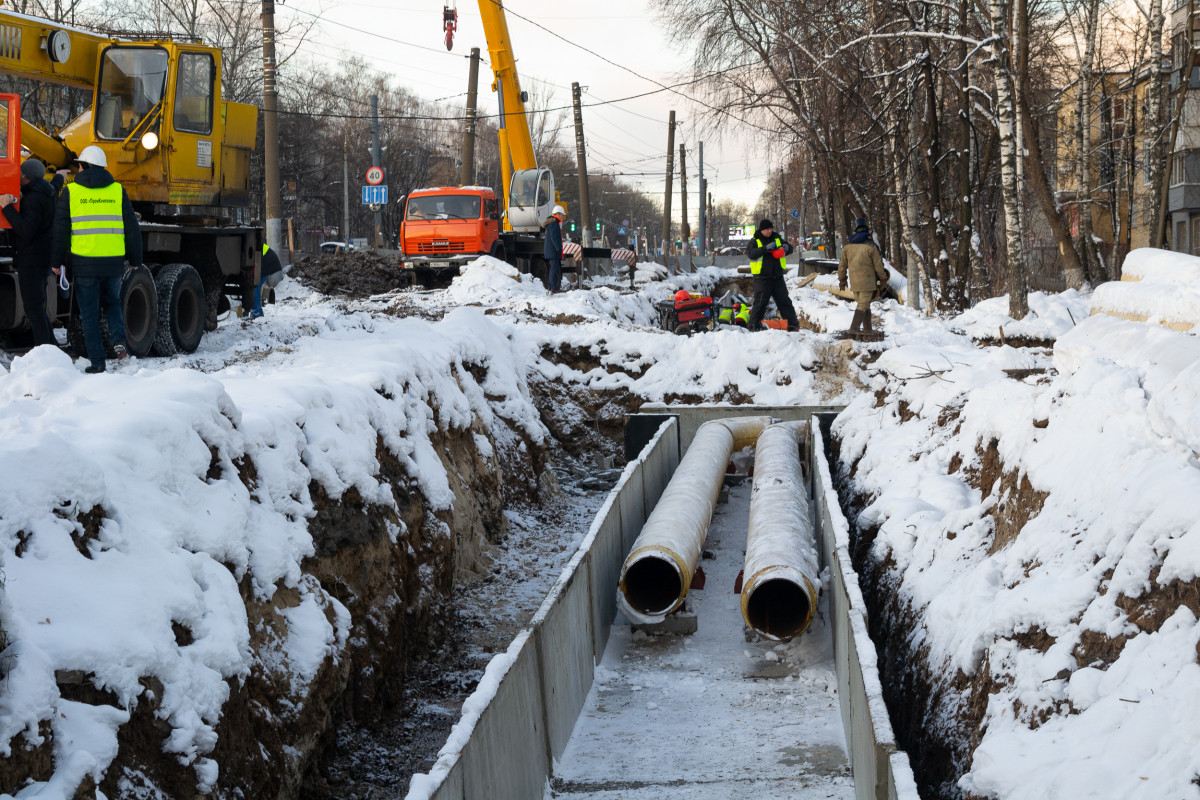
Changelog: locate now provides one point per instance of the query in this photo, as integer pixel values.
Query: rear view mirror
(493, 215)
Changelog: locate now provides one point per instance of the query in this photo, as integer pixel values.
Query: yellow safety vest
(97, 222)
(756, 266)
(265, 248)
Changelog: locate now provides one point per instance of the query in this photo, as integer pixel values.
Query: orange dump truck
(444, 228)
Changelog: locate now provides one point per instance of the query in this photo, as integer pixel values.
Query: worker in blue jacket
(553, 248)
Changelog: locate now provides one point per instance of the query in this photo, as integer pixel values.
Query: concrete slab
(710, 715)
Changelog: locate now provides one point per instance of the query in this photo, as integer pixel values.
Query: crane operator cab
(531, 199)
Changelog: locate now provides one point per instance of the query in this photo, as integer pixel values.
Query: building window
(1147, 159)
(1177, 170)
(1195, 242)
(1180, 243)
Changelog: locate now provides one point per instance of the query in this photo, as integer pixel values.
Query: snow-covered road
(710, 716)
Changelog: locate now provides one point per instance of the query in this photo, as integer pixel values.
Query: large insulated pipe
(657, 575)
(779, 585)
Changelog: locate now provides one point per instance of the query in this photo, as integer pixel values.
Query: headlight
(150, 140)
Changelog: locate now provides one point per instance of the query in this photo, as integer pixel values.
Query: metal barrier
(520, 718)
(881, 770)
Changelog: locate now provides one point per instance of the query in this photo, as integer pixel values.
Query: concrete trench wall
(515, 727)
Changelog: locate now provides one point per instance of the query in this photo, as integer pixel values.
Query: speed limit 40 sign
(375, 176)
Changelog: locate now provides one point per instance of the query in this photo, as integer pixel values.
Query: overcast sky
(406, 40)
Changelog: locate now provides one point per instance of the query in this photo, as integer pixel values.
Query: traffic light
(572, 226)
(597, 226)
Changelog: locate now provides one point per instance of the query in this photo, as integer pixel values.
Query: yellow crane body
(156, 110)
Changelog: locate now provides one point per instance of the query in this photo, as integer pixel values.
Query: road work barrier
(781, 576)
(658, 573)
(519, 719)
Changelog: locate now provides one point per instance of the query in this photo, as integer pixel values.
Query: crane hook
(450, 23)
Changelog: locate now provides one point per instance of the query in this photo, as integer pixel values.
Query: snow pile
(1050, 316)
(1076, 618)
(1163, 288)
(128, 525)
(489, 280)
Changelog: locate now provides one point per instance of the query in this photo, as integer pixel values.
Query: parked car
(332, 248)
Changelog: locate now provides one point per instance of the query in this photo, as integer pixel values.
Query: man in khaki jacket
(863, 265)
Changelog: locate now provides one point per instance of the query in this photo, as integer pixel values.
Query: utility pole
(783, 227)
(466, 176)
(271, 130)
(666, 226)
(703, 194)
(710, 210)
(376, 157)
(585, 202)
(345, 193)
(783, 200)
(685, 230)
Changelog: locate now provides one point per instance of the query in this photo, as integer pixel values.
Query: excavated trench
(432, 595)
(383, 732)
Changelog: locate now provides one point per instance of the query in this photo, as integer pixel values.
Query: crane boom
(36, 48)
(508, 85)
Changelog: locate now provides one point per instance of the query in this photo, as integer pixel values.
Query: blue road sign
(621, 231)
(374, 194)
(795, 213)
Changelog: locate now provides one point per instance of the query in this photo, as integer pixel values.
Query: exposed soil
(375, 750)
(357, 273)
(937, 717)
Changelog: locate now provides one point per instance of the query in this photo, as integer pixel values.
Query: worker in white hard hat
(553, 248)
(95, 234)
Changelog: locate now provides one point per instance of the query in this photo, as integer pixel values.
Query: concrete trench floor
(710, 716)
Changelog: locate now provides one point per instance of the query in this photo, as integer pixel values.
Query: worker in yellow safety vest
(768, 254)
(95, 234)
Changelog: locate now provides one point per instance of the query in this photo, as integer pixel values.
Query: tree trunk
(1018, 300)
(933, 160)
(963, 263)
(1083, 145)
(1035, 164)
(1154, 127)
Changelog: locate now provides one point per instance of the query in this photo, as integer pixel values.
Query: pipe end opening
(652, 586)
(779, 608)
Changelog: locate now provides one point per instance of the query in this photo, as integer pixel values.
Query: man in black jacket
(95, 227)
(32, 226)
(768, 254)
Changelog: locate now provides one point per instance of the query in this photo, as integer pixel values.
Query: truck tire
(181, 310)
(139, 311)
(498, 251)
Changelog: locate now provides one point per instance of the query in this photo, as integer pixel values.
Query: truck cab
(447, 227)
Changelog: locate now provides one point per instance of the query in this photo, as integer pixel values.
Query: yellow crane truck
(181, 152)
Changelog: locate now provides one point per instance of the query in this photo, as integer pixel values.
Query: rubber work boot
(867, 321)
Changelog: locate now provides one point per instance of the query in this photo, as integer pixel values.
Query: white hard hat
(559, 210)
(93, 155)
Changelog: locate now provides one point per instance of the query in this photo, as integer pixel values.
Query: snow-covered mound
(1040, 534)
(1050, 316)
(489, 280)
(137, 509)
(1158, 286)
